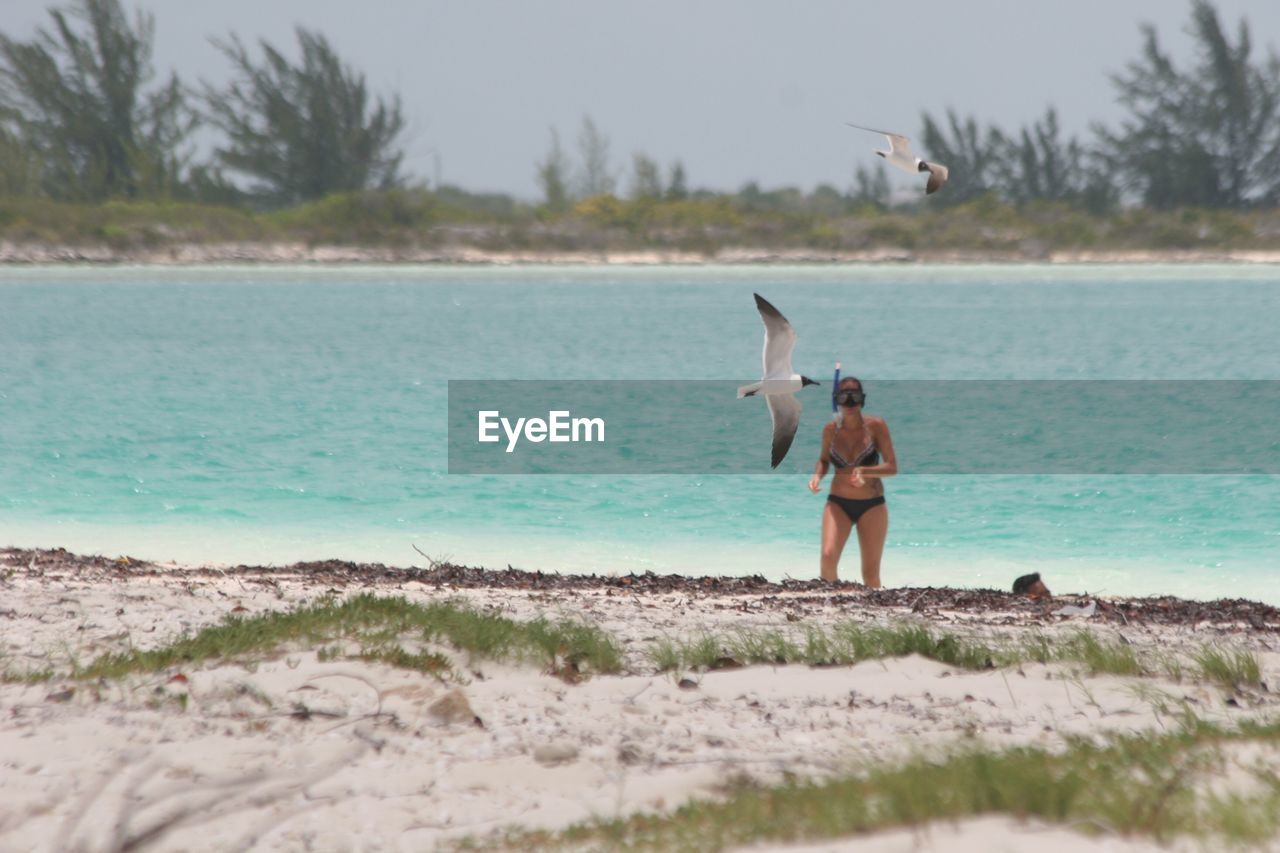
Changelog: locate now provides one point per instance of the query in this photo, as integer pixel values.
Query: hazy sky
(738, 90)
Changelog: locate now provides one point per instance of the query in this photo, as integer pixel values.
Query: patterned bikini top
(870, 455)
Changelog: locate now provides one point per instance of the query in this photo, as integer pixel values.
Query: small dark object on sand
(1031, 586)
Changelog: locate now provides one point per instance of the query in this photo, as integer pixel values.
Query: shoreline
(284, 253)
(282, 747)
(1116, 610)
(1242, 614)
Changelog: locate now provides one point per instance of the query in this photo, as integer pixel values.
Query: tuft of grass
(846, 643)
(1231, 668)
(29, 676)
(560, 644)
(1146, 784)
(762, 647)
(1098, 656)
(699, 652)
(378, 623)
(327, 653)
(665, 655)
(851, 642)
(428, 663)
(915, 639)
(1173, 667)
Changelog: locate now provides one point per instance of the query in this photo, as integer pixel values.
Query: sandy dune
(298, 753)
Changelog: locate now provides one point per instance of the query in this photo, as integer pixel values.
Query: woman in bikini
(855, 444)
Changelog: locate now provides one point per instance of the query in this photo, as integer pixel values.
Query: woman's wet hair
(1025, 583)
(845, 379)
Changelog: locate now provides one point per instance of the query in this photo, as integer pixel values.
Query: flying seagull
(900, 155)
(779, 384)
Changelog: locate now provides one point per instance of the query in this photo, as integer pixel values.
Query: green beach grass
(14, 675)
(1229, 667)
(421, 218)
(850, 642)
(379, 626)
(1151, 785)
(393, 630)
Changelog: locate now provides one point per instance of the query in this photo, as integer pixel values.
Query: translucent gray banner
(938, 427)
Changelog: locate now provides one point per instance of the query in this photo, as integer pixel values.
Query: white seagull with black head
(779, 384)
(900, 155)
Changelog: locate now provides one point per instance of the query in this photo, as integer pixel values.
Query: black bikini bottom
(855, 507)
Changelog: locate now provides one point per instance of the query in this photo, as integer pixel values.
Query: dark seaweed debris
(39, 560)
(1165, 610)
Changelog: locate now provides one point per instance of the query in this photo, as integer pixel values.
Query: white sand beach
(298, 752)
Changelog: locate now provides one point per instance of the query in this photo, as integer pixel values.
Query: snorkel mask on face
(850, 397)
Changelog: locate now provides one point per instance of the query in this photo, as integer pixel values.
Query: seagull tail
(749, 390)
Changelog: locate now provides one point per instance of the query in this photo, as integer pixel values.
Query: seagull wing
(938, 175)
(784, 409)
(779, 340)
(900, 146)
(899, 153)
(887, 133)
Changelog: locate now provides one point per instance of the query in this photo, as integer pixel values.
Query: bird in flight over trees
(901, 155)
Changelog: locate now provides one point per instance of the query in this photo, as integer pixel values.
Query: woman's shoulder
(829, 429)
(875, 422)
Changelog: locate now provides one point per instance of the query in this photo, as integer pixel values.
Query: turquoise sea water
(273, 414)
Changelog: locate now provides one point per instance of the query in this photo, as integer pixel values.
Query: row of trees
(82, 117)
(562, 181)
(1205, 135)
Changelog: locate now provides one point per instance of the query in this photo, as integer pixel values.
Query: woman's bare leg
(836, 527)
(873, 530)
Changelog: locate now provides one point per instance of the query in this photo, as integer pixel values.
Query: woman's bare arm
(824, 459)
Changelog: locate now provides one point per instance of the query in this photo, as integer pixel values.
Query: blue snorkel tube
(835, 385)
